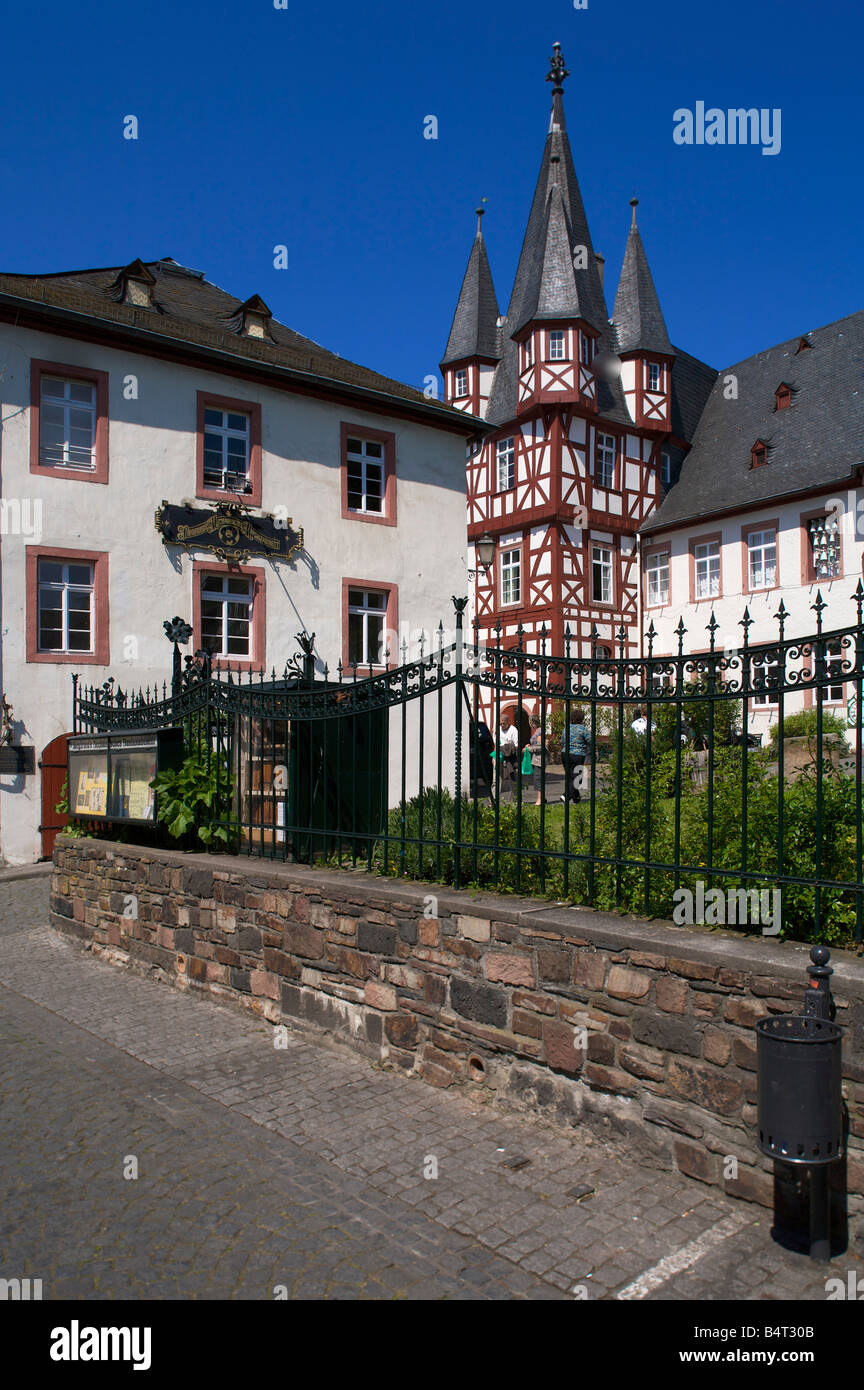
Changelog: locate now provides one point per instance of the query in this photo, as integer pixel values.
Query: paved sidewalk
(306, 1167)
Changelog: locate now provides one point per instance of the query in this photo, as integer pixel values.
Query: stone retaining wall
(641, 1027)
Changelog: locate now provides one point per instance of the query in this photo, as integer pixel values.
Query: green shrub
(194, 795)
(803, 725)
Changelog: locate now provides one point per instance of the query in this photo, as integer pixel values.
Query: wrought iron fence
(643, 790)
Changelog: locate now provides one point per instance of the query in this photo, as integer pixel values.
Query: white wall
(151, 457)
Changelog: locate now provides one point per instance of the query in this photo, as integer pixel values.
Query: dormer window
(655, 377)
(758, 454)
(556, 343)
(803, 345)
(460, 382)
(255, 318)
(134, 285)
(782, 397)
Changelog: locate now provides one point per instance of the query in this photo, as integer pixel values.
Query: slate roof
(818, 441)
(475, 324)
(188, 309)
(637, 316)
(556, 224)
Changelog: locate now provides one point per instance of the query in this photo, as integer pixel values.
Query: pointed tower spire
(475, 324)
(637, 316)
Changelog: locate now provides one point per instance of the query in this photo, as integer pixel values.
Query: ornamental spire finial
(634, 203)
(557, 70)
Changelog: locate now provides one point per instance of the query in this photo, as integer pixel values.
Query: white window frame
(834, 657)
(64, 586)
(586, 349)
(529, 352)
(511, 576)
(556, 338)
(223, 596)
(460, 383)
(225, 432)
(66, 405)
(770, 665)
(605, 460)
(368, 464)
(656, 565)
(759, 549)
(603, 567)
(650, 369)
(665, 468)
(505, 459)
(367, 609)
(706, 584)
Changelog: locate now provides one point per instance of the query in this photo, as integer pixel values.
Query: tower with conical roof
(590, 418)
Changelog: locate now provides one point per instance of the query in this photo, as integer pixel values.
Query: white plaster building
(768, 507)
(121, 389)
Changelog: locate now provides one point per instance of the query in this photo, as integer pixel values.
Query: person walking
(538, 754)
(575, 754)
(508, 748)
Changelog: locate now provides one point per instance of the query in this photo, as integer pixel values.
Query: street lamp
(485, 551)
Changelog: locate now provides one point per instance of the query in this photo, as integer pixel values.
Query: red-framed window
(368, 474)
(228, 449)
(760, 556)
(67, 606)
(821, 547)
(229, 614)
(657, 577)
(370, 624)
(782, 397)
(68, 421)
(510, 567)
(706, 568)
(606, 459)
(759, 454)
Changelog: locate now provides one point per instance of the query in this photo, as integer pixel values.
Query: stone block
(624, 983)
(508, 969)
(480, 1002)
(714, 1090)
(671, 995)
(717, 1047)
(554, 964)
(609, 1079)
(668, 1034)
(560, 1047)
(304, 940)
(402, 1030)
(380, 996)
(589, 970)
(375, 938)
(474, 928)
(695, 1162)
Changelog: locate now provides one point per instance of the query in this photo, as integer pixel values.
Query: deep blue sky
(305, 127)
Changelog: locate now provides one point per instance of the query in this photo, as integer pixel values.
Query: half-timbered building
(590, 419)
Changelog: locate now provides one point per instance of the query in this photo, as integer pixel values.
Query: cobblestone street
(307, 1168)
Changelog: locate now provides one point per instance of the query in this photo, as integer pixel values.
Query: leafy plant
(803, 725)
(74, 829)
(194, 796)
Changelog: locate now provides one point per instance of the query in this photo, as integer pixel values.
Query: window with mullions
(511, 576)
(367, 618)
(461, 382)
(601, 574)
(655, 377)
(762, 559)
(835, 691)
(657, 571)
(556, 345)
(765, 671)
(226, 615)
(67, 424)
(604, 461)
(505, 457)
(226, 450)
(365, 466)
(65, 607)
(706, 564)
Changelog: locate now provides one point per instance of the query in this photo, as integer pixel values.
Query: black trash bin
(800, 1096)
